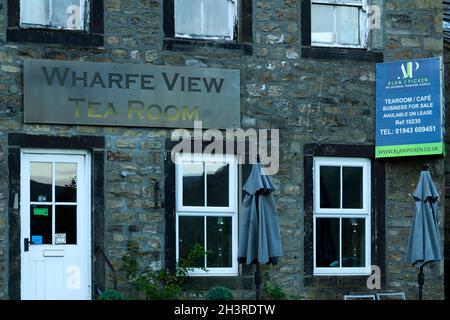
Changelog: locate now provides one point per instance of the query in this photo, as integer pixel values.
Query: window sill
(328, 53)
(341, 274)
(181, 44)
(232, 283)
(336, 281)
(49, 36)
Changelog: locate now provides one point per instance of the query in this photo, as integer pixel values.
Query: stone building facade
(322, 100)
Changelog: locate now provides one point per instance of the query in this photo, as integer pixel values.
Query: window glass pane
(35, 12)
(41, 181)
(188, 19)
(217, 182)
(347, 25)
(66, 14)
(353, 242)
(219, 242)
(193, 184)
(41, 224)
(66, 223)
(216, 17)
(327, 242)
(330, 187)
(352, 197)
(322, 23)
(66, 182)
(191, 231)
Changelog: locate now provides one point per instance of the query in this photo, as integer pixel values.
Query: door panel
(55, 226)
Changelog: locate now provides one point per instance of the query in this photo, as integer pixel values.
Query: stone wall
(413, 29)
(309, 101)
(447, 168)
(3, 217)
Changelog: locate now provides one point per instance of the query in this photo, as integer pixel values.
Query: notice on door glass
(36, 239)
(40, 211)
(60, 238)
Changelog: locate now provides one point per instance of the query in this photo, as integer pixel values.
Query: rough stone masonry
(323, 101)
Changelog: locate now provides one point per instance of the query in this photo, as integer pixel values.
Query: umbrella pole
(258, 281)
(421, 280)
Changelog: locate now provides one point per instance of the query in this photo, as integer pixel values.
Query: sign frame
(410, 115)
(130, 95)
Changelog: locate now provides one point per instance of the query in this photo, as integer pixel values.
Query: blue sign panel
(409, 114)
(36, 239)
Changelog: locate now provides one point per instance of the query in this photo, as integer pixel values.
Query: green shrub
(273, 291)
(219, 293)
(111, 294)
(160, 284)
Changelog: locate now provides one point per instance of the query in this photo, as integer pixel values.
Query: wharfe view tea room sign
(64, 92)
(409, 115)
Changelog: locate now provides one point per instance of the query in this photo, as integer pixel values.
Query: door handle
(26, 244)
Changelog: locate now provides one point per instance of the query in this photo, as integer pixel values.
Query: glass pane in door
(41, 181)
(66, 182)
(66, 224)
(41, 224)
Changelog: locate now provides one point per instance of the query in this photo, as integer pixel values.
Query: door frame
(96, 146)
(87, 207)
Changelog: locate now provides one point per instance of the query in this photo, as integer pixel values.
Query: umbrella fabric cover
(259, 237)
(424, 240)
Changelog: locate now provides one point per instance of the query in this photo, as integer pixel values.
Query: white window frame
(84, 17)
(232, 18)
(205, 211)
(364, 213)
(363, 23)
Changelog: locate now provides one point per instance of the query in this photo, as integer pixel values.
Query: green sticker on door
(40, 211)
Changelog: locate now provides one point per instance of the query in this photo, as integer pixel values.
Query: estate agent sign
(409, 112)
(64, 92)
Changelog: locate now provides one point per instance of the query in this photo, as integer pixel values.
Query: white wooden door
(55, 225)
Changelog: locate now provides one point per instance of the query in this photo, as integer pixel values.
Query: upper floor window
(206, 19)
(53, 14)
(219, 23)
(68, 22)
(339, 23)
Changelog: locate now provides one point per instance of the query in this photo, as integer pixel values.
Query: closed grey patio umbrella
(259, 232)
(424, 241)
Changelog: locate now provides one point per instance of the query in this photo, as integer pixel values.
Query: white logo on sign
(408, 70)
